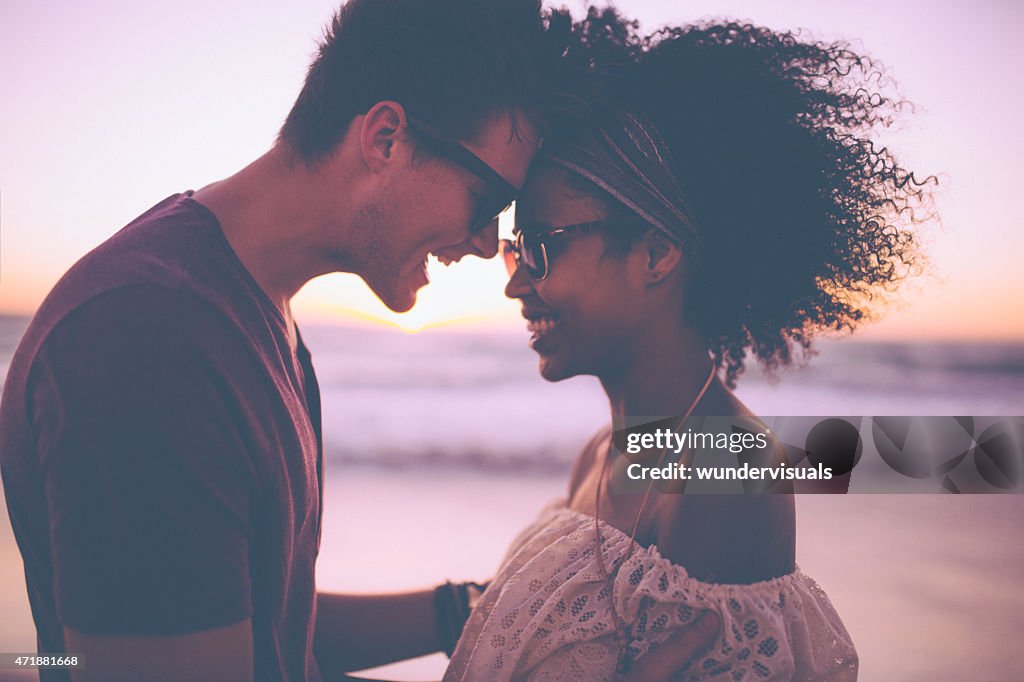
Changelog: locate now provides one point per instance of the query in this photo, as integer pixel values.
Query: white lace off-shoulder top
(547, 614)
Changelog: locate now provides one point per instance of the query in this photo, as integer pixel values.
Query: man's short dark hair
(449, 62)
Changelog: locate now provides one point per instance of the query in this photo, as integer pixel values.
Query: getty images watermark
(829, 454)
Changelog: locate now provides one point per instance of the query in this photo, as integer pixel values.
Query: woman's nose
(520, 284)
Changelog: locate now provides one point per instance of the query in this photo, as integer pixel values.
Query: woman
(721, 199)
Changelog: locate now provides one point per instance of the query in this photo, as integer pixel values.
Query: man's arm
(356, 632)
(223, 654)
(148, 481)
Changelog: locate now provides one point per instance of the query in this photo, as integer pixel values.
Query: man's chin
(398, 301)
(399, 294)
(402, 307)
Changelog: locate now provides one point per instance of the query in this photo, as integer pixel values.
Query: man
(160, 425)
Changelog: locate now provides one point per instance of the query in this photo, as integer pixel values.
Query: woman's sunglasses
(499, 193)
(529, 249)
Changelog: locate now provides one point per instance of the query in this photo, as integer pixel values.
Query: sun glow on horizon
(467, 294)
(404, 322)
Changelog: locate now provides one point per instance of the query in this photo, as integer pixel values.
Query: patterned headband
(628, 159)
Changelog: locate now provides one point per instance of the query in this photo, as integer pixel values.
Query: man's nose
(485, 242)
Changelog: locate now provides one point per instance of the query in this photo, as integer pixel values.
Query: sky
(109, 106)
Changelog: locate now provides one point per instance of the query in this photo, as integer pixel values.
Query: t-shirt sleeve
(143, 420)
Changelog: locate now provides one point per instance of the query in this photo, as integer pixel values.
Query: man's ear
(662, 256)
(383, 130)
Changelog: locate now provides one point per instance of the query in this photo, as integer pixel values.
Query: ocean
(440, 445)
(475, 399)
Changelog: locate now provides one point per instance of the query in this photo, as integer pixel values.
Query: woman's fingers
(677, 652)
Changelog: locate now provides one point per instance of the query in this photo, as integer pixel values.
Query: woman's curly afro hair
(802, 219)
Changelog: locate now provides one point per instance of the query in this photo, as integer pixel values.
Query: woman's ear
(662, 256)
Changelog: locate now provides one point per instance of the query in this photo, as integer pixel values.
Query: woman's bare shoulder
(587, 457)
(729, 538)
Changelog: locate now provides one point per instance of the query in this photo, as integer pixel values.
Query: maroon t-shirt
(161, 448)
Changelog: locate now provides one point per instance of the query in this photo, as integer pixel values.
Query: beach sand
(927, 585)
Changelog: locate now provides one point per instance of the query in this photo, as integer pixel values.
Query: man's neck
(272, 218)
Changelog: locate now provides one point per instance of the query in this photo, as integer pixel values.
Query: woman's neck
(662, 379)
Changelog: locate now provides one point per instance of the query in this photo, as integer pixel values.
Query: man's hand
(680, 650)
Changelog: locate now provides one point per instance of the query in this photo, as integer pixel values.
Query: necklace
(622, 629)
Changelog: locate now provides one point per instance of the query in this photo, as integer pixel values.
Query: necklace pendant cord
(622, 629)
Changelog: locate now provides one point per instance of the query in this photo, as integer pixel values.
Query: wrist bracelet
(453, 603)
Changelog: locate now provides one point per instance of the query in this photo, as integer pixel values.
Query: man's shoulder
(144, 359)
(132, 333)
(144, 320)
(144, 307)
(154, 248)
(165, 275)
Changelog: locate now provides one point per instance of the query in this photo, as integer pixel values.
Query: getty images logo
(862, 454)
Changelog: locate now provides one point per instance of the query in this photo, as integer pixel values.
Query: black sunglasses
(499, 193)
(530, 248)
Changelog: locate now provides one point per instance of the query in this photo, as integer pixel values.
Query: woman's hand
(672, 657)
